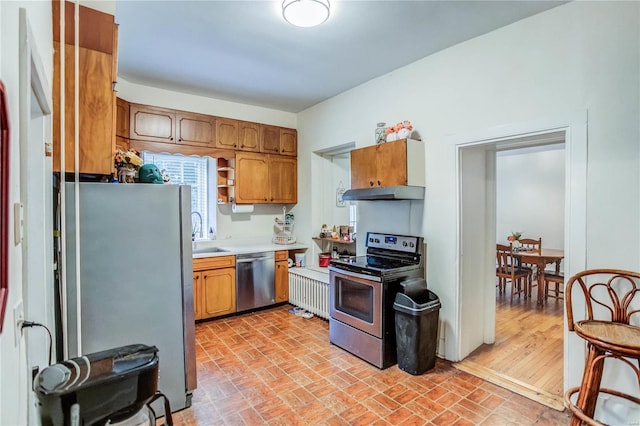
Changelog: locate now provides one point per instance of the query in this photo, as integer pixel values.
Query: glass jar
(380, 136)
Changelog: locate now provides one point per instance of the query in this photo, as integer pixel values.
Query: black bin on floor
(416, 311)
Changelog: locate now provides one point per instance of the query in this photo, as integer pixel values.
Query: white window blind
(191, 171)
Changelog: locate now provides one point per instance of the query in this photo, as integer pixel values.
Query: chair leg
(591, 378)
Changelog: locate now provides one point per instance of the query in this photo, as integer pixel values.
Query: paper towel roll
(242, 208)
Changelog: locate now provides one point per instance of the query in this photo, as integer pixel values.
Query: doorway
(526, 179)
(475, 298)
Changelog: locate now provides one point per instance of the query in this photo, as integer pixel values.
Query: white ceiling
(244, 51)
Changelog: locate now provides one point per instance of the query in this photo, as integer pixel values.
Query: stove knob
(411, 245)
(370, 240)
(377, 241)
(404, 244)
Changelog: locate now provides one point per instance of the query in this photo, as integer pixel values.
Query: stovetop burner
(385, 254)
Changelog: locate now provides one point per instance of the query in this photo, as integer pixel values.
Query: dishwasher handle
(253, 259)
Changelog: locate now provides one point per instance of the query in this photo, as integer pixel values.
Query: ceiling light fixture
(305, 13)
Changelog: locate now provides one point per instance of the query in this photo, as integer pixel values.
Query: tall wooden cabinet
(214, 286)
(262, 179)
(96, 99)
(389, 164)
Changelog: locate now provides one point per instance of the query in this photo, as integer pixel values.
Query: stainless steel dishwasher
(254, 280)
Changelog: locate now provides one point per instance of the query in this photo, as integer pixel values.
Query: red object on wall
(4, 204)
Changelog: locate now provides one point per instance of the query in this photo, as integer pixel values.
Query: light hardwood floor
(527, 356)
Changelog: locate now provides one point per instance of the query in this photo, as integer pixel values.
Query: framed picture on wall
(339, 193)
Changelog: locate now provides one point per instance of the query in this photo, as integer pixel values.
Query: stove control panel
(403, 243)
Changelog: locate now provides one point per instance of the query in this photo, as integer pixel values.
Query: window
(193, 171)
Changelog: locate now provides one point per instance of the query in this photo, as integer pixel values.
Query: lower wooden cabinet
(214, 286)
(282, 276)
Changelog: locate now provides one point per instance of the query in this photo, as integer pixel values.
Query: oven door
(356, 300)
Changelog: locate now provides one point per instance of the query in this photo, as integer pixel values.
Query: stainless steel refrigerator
(136, 276)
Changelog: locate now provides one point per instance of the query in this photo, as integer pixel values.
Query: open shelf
(225, 173)
(333, 240)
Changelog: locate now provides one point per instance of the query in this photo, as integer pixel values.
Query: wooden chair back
(531, 244)
(614, 290)
(504, 260)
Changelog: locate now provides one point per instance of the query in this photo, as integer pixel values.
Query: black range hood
(385, 193)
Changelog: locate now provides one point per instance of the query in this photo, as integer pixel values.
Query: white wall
(15, 380)
(576, 57)
(530, 194)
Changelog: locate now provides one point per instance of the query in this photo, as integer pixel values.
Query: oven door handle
(340, 271)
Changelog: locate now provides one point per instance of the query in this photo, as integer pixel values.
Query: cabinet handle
(241, 146)
(370, 183)
(234, 145)
(180, 139)
(266, 199)
(378, 183)
(170, 139)
(271, 199)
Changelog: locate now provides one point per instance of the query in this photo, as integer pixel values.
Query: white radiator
(309, 290)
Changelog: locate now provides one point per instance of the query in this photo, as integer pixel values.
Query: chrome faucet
(194, 228)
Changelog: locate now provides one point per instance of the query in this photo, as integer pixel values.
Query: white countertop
(241, 246)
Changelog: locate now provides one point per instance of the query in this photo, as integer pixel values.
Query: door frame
(574, 124)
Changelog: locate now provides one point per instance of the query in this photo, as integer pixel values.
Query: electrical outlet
(18, 318)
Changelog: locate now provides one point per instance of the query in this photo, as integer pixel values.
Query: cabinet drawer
(281, 255)
(213, 262)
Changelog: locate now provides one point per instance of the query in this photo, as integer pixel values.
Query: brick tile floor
(276, 368)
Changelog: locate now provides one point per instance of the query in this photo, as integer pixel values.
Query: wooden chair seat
(614, 336)
(556, 278)
(608, 334)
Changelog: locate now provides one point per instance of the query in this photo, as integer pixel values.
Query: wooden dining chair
(609, 299)
(556, 277)
(507, 270)
(533, 245)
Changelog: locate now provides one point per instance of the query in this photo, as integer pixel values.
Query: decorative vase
(126, 175)
(380, 136)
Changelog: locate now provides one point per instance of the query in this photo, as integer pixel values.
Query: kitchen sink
(208, 250)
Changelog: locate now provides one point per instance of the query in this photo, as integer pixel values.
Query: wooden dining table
(540, 259)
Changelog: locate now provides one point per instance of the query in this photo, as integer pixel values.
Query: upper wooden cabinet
(152, 124)
(278, 140)
(389, 164)
(283, 179)
(264, 179)
(96, 99)
(226, 133)
(195, 129)
(248, 136)
(122, 118)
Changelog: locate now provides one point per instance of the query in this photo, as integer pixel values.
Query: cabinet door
(252, 178)
(391, 163)
(248, 136)
(122, 118)
(289, 142)
(282, 281)
(96, 109)
(218, 289)
(283, 179)
(363, 167)
(269, 139)
(197, 295)
(195, 129)
(226, 133)
(152, 124)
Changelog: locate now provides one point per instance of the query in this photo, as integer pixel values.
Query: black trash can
(417, 310)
